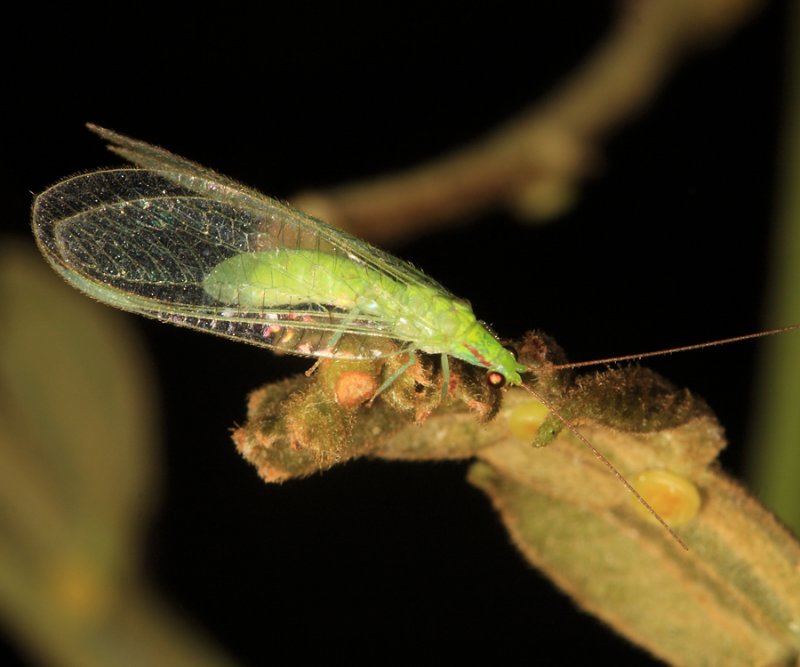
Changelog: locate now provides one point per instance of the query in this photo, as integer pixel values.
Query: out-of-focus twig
(534, 163)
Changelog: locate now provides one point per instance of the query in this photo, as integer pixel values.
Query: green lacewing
(175, 241)
(180, 243)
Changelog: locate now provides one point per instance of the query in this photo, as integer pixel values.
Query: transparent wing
(197, 178)
(144, 241)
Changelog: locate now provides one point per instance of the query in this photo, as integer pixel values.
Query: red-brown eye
(495, 379)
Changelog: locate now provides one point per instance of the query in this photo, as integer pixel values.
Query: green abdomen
(286, 277)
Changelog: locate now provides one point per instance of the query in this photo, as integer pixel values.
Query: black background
(666, 246)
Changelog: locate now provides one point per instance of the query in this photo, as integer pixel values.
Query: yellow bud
(675, 498)
(524, 419)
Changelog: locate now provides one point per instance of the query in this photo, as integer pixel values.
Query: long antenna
(660, 353)
(552, 408)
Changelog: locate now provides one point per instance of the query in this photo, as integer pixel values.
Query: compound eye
(495, 379)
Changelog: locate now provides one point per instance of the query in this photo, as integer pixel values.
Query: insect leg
(351, 316)
(445, 376)
(412, 358)
(311, 370)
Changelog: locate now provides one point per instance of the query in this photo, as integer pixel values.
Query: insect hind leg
(412, 359)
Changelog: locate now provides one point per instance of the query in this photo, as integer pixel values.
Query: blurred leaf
(731, 599)
(78, 477)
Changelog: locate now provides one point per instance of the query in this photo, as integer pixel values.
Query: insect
(177, 242)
